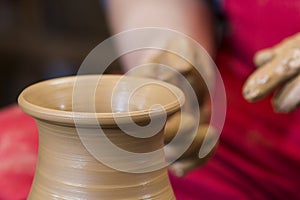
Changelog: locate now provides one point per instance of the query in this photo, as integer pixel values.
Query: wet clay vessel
(70, 164)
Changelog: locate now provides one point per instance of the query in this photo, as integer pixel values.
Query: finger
(171, 58)
(198, 84)
(148, 71)
(265, 79)
(185, 120)
(186, 52)
(172, 150)
(177, 62)
(263, 56)
(194, 148)
(182, 167)
(176, 55)
(288, 99)
(266, 55)
(185, 165)
(174, 122)
(189, 160)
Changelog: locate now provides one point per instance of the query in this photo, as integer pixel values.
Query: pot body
(107, 146)
(67, 170)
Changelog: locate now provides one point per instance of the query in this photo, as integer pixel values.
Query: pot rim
(95, 118)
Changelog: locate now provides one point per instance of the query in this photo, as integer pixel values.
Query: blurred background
(42, 39)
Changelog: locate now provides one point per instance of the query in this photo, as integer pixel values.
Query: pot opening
(110, 95)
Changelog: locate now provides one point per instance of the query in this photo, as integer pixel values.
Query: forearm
(190, 17)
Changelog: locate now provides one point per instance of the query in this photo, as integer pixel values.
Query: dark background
(42, 39)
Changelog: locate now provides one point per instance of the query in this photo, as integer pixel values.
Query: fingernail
(250, 94)
(281, 69)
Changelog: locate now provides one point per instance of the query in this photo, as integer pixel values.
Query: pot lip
(91, 118)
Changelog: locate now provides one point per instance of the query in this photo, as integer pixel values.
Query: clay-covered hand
(189, 160)
(278, 66)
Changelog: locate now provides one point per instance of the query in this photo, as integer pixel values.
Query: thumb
(190, 160)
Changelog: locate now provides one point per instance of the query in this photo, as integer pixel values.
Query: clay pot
(72, 160)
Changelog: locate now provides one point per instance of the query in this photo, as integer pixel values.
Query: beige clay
(66, 169)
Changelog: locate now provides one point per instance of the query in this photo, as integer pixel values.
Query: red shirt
(259, 152)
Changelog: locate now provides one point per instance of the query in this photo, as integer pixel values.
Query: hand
(189, 160)
(277, 66)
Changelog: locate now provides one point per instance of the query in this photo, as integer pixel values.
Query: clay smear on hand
(277, 65)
